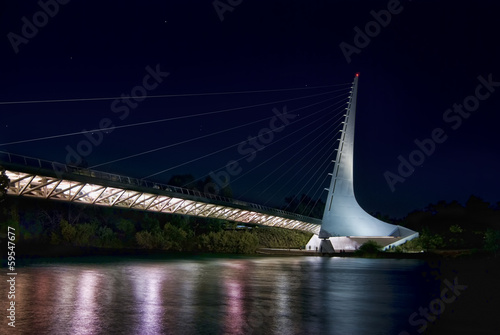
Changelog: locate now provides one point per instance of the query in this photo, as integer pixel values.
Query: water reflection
(84, 320)
(234, 298)
(147, 284)
(222, 296)
(180, 290)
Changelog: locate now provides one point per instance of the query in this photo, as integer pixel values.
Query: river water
(221, 295)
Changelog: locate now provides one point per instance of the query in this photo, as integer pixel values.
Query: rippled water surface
(214, 295)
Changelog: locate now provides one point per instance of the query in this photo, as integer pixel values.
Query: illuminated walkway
(33, 177)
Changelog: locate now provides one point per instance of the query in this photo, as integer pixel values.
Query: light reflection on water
(271, 295)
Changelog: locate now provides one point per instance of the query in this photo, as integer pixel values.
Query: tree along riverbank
(47, 225)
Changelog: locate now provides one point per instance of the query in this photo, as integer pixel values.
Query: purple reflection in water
(220, 296)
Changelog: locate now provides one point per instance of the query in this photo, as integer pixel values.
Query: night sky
(414, 68)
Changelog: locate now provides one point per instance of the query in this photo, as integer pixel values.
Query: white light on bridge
(40, 186)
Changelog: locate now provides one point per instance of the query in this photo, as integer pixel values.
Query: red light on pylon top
(357, 74)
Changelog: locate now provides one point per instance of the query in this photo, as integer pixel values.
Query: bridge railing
(76, 170)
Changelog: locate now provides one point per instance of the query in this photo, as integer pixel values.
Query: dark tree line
(450, 225)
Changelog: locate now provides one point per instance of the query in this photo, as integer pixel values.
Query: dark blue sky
(425, 60)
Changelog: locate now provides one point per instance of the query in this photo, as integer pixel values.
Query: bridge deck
(50, 180)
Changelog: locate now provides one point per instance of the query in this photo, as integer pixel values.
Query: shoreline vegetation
(59, 228)
(42, 253)
(56, 229)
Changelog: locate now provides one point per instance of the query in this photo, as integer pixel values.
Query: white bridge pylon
(345, 225)
(32, 177)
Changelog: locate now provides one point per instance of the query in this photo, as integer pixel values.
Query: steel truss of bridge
(33, 177)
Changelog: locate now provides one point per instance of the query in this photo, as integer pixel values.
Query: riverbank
(386, 255)
(26, 254)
